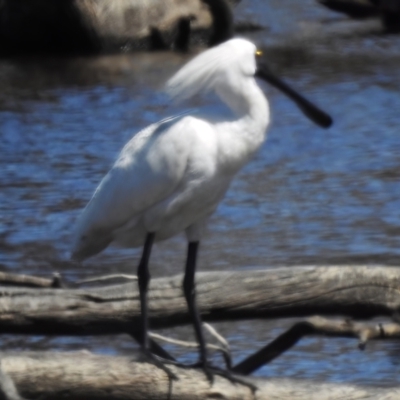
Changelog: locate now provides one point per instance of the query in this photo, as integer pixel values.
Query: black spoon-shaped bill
(309, 109)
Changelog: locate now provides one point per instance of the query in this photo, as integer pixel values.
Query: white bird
(171, 176)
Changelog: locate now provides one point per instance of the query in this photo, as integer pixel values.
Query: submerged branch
(317, 326)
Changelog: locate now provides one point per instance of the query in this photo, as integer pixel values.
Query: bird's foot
(160, 363)
(211, 371)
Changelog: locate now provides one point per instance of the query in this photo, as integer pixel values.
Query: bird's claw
(210, 371)
(160, 363)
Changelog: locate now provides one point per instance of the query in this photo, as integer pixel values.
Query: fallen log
(353, 291)
(86, 376)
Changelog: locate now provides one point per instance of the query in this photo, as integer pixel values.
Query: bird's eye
(259, 53)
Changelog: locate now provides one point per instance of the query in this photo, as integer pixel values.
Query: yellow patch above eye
(259, 53)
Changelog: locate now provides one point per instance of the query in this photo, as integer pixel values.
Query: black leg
(143, 280)
(190, 296)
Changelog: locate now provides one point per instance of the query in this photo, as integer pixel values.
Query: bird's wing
(148, 170)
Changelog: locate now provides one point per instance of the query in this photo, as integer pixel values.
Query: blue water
(311, 196)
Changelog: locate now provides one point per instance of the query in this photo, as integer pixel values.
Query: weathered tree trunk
(85, 376)
(360, 292)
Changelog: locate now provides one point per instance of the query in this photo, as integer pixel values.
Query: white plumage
(171, 176)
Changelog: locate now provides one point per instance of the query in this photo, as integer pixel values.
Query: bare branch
(222, 349)
(24, 280)
(103, 278)
(317, 326)
(213, 332)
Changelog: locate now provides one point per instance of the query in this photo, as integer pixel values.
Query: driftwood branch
(85, 376)
(223, 348)
(359, 292)
(28, 280)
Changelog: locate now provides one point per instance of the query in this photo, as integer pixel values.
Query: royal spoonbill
(170, 177)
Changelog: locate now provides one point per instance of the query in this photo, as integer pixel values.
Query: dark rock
(44, 26)
(387, 10)
(353, 8)
(390, 11)
(93, 26)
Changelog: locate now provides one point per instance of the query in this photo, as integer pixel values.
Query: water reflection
(310, 196)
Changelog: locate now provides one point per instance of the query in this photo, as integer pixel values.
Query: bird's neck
(250, 106)
(241, 138)
(248, 102)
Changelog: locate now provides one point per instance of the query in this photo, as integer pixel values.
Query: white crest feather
(209, 69)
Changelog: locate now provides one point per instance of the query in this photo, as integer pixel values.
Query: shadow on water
(309, 197)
